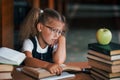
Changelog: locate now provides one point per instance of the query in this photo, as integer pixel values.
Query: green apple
(103, 36)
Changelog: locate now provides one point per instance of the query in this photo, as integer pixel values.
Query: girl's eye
(59, 32)
(54, 30)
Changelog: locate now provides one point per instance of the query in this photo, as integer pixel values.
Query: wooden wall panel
(0, 24)
(36, 3)
(6, 23)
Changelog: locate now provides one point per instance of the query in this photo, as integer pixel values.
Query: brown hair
(35, 16)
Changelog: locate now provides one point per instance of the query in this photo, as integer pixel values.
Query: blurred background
(84, 17)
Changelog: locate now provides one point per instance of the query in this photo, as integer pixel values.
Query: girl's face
(51, 31)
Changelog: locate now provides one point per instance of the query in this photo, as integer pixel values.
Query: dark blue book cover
(110, 49)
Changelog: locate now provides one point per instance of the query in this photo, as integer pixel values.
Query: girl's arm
(34, 62)
(60, 54)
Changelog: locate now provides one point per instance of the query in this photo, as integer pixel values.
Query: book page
(11, 55)
(63, 75)
(6, 61)
(70, 68)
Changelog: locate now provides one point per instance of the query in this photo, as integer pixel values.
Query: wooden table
(17, 75)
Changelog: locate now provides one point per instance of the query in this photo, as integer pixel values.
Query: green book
(110, 49)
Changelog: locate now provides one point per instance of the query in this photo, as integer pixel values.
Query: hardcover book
(95, 77)
(42, 73)
(11, 56)
(103, 56)
(97, 58)
(106, 74)
(5, 67)
(98, 76)
(110, 49)
(104, 66)
(5, 75)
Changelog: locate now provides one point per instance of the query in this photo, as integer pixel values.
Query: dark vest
(45, 56)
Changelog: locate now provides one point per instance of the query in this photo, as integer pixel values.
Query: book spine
(101, 66)
(101, 55)
(104, 66)
(99, 59)
(99, 76)
(99, 49)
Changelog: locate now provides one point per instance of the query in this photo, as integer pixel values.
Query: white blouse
(28, 46)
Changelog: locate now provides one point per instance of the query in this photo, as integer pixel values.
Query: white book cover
(11, 56)
(63, 75)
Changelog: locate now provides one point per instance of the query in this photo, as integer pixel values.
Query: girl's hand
(61, 39)
(60, 51)
(54, 68)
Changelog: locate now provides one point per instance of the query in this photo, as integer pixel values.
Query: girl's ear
(39, 27)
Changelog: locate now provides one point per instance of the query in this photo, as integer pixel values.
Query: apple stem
(104, 29)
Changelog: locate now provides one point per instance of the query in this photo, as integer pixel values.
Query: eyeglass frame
(55, 30)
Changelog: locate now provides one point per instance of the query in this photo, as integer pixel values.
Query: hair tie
(41, 11)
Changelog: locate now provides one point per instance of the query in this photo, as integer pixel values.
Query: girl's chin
(49, 43)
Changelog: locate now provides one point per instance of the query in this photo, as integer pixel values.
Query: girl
(43, 37)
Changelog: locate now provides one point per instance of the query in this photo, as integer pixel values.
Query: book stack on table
(6, 71)
(8, 59)
(104, 60)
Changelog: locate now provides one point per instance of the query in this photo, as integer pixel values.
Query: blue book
(110, 49)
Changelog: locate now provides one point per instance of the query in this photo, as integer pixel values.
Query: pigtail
(27, 28)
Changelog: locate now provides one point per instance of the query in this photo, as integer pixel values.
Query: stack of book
(9, 58)
(6, 71)
(104, 60)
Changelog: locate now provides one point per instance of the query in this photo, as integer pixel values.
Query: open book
(57, 77)
(11, 56)
(42, 73)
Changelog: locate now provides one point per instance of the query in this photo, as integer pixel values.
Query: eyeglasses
(55, 30)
